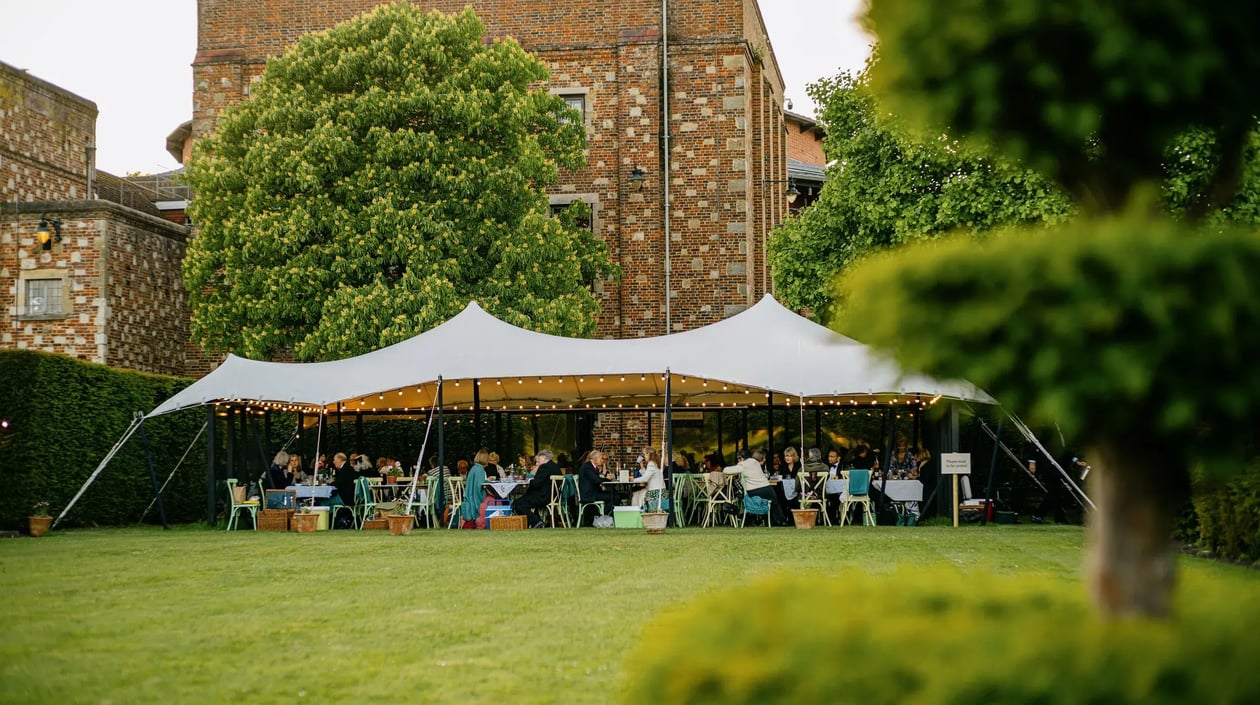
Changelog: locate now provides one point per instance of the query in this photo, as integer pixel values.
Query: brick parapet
(45, 136)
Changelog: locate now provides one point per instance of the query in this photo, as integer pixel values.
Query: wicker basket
(274, 519)
(375, 524)
(512, 523)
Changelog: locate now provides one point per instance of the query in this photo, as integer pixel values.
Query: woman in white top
(755, 482)
(654, 483)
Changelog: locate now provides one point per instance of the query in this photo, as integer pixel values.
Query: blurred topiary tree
(1134, 331)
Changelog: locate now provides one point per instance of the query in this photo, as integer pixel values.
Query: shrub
(942, 637)
(64, 415)
(1228, 514)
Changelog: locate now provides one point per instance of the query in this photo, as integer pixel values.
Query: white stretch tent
(766, 349)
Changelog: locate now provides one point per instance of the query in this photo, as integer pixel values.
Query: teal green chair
(757, 506)
(234, 508)
(364, 506)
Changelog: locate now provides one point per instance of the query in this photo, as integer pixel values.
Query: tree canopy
(1089, 92)
(382, 174)
(890, 185)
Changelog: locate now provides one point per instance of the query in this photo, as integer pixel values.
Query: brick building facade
(727, 131)
(727, 137)
(109, 290)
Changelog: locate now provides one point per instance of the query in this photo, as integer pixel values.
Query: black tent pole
(211, 421)
(476, 416)
(770, 430)
(668, 460)
(988, 489)
(157, 493)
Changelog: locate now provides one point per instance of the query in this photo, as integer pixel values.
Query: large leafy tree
(1133, 328)
(890, 185)
(383, 174)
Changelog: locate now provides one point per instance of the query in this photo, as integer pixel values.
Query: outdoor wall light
(637, 178)
(791, 191)
(46, 235)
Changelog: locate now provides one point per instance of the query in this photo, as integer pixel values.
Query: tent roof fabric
(732, 363)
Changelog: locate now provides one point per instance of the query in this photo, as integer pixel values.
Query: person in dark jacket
(590, 482)
(538, 492)
(344, 476)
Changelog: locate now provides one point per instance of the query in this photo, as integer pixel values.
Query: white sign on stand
(955, 464)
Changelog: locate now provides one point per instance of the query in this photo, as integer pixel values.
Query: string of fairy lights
(686, 389)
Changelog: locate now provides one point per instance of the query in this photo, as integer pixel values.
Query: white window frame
(27, 278)
(572, 94)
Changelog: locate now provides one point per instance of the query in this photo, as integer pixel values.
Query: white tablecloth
(503, 490)
(901, 490)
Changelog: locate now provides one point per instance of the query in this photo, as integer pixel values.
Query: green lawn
(197, 616)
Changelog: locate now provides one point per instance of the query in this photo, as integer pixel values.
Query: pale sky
(133, 58)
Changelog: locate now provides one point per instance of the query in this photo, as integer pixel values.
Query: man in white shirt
(755, 482)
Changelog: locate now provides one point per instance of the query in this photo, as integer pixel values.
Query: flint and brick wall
(123, 303)
(46, 132)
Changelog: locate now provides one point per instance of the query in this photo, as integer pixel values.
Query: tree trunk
(1131, 560)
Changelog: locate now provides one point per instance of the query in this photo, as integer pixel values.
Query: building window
(44, 297)
(578, 103)
(576, 99)
(580, 209)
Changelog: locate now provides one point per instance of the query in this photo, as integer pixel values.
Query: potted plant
(654, 520)
(401, 520)
(804, 518)
(39, 520)
(306, 521)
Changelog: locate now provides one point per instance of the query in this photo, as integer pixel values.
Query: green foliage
(383, 174)
(1228, 514)
(938, 636)
(1091, 92)
(1128, 328)
(1191, 164)
(64, 415)
(889, 186)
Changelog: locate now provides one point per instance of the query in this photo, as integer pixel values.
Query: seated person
(343, 479)
(903, 461)
(834, 458)
(649, 498)
(525, 465)
(363, 465)
(538, 492)
(278, 473)
(590, 482)
(434, 471)
(713, 466)
(755, 482)
(493, 471)
(474, 492)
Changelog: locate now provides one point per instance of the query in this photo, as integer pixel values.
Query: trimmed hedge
(1228, 514)
(64, 415)
(940, 637)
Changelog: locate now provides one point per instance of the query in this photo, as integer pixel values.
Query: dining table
(313, 491)
(505, 489)
(623, 490)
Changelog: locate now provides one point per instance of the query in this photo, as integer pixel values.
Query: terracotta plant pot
(804, 518)
(399, 524)
(38, 525)
(305, 523)
(655, 522)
